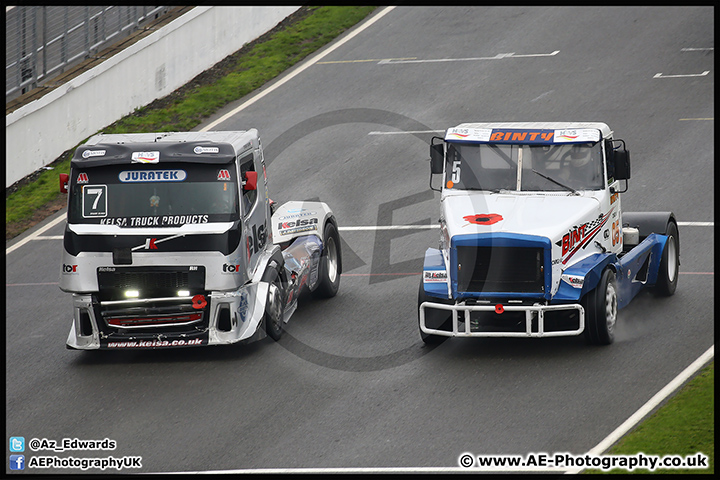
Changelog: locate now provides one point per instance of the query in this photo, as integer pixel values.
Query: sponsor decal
(228, 268)
(256, 240)
(93, 153)
(577, 135)
(297, 223)
(300, 225)
(483, 218)
(200, 150)
(158, 343)
(82, 178)
(574, 281)
(151, 243)
(135, 176)
(223, 175)
(243, 308)
(435, 276)
(155, 221)
(69, 269)
(580, 236)
(514, 135)
(529, 136)
(298, 215)
(470, 134)
(145, 157)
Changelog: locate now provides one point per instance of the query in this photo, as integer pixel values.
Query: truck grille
(500, 269)
(169, 299)
(149, 282)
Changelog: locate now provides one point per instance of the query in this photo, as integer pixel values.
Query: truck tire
(669, 263)
(274, 309)
(433, 318)
(330, 264)
(601, 310)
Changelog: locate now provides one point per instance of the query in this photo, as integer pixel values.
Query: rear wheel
(601, 310)
(330, 264)
(669, 263)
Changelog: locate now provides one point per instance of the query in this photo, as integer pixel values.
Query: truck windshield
(142, 196)
(494, 167)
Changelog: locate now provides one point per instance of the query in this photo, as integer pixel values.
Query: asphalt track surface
(350, 385)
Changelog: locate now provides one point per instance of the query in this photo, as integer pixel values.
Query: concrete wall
(39, 132)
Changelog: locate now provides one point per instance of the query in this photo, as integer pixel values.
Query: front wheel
(669, 263)
(601, 310)
(274, 310)
(330, 264)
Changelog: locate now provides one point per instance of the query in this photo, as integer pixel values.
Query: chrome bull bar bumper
(534, 314)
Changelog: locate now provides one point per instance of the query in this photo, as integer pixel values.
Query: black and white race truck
(534, 242)
(172, 240)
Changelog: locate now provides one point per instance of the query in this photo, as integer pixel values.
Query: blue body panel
(501, 240)
(639, 267)
(434, 262)
(634, 271)
(591, 268)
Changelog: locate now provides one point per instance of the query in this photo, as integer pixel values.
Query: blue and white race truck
(534, 242)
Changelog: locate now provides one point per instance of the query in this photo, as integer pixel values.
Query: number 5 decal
(94, 200)
(456, 171)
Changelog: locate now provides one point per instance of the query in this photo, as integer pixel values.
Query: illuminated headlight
(183, 293)
(132, 293)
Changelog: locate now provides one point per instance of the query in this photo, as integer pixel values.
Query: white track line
(361, 228)
(660, 75)
(35, 235)
(659, 397)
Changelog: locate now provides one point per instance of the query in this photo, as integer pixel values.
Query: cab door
(254, 215)
(612, 237)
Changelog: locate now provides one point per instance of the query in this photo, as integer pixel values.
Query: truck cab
(530, 219)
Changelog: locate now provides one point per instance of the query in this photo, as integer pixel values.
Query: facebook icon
(17, 462)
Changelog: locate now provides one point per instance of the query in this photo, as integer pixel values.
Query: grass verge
(684, 426)
(304, 32)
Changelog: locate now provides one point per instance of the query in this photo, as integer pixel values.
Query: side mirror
(64, 180)
(622, 164)
(437, 157)
(250, 181)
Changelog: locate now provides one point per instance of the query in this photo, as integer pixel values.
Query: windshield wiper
(556, 182)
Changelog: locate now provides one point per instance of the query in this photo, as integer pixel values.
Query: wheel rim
(331, 259)
(671, 258)
(610, 307)
(274, 306)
